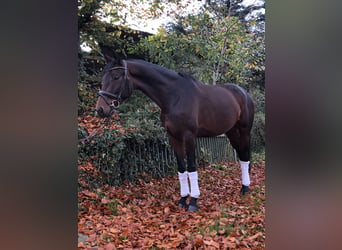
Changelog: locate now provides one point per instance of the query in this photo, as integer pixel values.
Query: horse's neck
(157, 92)
(159, 89)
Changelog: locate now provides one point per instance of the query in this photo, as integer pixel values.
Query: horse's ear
(107, 53)
(108, 58)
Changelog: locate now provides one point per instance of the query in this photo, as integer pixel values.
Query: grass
(221, 228)
(113, 207)
(82, 208)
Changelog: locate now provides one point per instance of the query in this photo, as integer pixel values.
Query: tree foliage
(215, 51)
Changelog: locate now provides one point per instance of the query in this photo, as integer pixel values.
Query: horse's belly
(202, 132)
(214, 128)
(217, 116)
(216, 124)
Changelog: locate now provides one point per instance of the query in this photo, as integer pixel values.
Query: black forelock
(111, 64)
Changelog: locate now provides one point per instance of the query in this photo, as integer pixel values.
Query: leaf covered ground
(144, 215)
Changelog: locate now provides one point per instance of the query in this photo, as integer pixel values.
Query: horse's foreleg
(178, 147)
(192, 173)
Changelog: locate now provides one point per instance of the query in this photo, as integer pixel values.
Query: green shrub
(137, 145)
(258, 133)
(127, 156)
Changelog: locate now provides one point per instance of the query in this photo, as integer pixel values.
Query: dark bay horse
(189, 109)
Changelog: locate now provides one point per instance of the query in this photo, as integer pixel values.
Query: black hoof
(193, 205)
(244, 190)
(182, 202)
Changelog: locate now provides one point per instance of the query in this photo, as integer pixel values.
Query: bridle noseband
(116, 98)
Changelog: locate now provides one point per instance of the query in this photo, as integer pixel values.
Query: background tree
(103, 28)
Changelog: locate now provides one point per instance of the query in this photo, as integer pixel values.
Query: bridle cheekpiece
(116, 98)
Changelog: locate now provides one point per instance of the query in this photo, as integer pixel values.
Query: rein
(116, 98)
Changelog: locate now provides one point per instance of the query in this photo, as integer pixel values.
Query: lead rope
(93, 133)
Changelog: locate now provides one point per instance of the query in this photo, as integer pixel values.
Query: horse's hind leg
(239, 137)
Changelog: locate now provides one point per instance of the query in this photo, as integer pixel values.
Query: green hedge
(130, 156)
(258, 133)
(127, 157)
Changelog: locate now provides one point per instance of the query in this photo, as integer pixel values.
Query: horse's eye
(116, 76)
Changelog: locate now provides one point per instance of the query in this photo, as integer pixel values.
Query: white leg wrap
(184, 184)
(244, 173)
(193, 177)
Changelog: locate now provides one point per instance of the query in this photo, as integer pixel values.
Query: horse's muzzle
(103, 114)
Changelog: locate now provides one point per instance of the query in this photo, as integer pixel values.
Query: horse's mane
(154, 66)
(186, 76)
(190, 78)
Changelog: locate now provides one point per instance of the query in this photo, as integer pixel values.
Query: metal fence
(214, 149)
(157, 159)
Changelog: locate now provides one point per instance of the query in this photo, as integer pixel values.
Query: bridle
(116, 98)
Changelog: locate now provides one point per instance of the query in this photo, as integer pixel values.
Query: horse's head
(115, 88)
